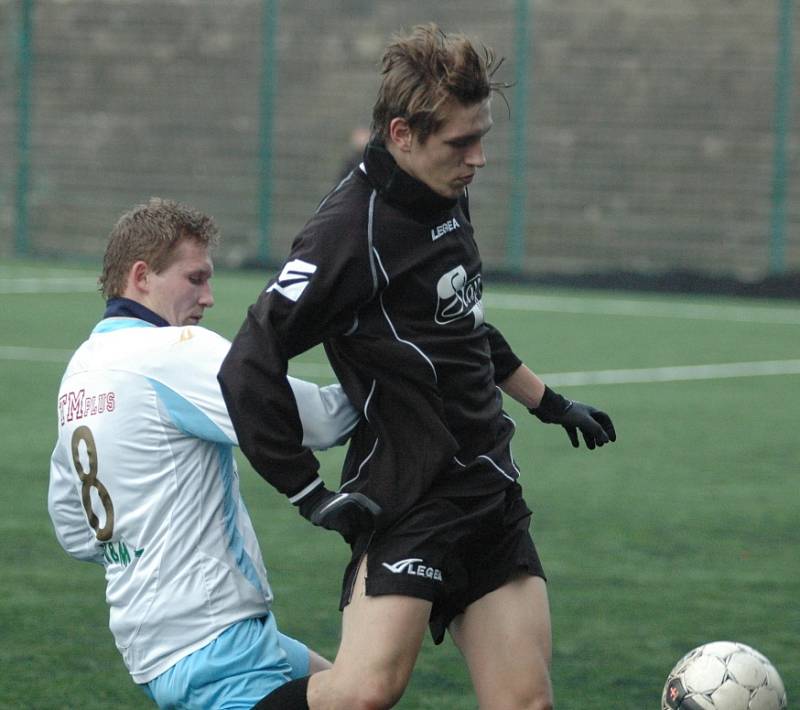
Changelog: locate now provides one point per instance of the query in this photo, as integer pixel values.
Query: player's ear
(137, 276)
(400, 134)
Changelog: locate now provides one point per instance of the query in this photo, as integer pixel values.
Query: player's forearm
(326, 414)
(524, 386)
(72, 530)
(263, 410)
(504, 360)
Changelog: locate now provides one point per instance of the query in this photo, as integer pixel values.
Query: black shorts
(451, 551)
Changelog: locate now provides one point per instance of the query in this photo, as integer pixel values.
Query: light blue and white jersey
(143, 481)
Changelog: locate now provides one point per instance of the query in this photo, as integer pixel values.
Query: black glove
(349, 514)
(596, 426)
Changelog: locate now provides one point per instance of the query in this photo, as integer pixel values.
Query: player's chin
(454, 190)
(460, 185)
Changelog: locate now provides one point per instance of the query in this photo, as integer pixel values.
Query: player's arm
(527, 388)
(504, 360)
(185, 379)
(524, 386)
(326, 415)
(317, 294)
(548, 406)
(67, 514)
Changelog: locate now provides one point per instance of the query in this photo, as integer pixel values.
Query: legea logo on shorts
(413, 567)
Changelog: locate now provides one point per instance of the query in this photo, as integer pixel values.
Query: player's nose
(206, 297)
(476, 158)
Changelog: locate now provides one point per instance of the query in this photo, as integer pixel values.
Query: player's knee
(539, 701)
(375, 692)
(521, 699)
(379, 693)
(366, 689)
(542, 703)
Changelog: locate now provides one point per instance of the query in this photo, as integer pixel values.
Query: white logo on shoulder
(451, 225)
(293, 279)
(413, 567)
(459, 296)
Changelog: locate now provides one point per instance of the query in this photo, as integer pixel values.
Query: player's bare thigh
(381, 638)
(505, 638)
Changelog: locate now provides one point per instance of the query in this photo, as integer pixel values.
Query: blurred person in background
(387, 275)
(359, 137)
(143, 479)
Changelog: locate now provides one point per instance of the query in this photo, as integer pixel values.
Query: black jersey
(387, 275)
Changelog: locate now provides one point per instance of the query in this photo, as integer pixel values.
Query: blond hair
(151, 232)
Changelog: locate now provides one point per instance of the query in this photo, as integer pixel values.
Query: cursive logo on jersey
(459, 296)
(294, 278)
(449, 226)
(413, 567)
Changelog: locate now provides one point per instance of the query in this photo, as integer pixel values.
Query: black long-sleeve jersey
(387, 275)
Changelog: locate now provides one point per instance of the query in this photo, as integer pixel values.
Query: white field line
(8, 271)
(559, 379)
(25, 354)
(61, 284)
(644, 309)
(674, 374)
(65, 283)
(630, 376)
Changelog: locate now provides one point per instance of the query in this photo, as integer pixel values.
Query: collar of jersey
(127, 313)
(399, 188)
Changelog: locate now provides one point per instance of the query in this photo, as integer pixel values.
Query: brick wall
(650, 124)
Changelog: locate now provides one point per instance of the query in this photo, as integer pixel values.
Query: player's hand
(595, 426)
(349, 514)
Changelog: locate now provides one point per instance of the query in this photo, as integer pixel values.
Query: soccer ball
(723, 676)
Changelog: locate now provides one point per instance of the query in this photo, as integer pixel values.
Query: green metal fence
(783, 87)
(643, 136)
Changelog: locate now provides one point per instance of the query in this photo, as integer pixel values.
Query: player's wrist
(311, 498)
(552, 407)
(349, 514)
(307, 490)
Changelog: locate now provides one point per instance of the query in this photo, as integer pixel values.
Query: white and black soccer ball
(723, 675)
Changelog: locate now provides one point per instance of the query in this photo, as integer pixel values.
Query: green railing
(783, 96)
(24, 73)
(520, 135)
(520, 163)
